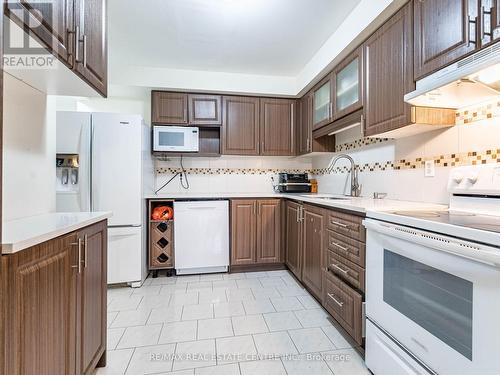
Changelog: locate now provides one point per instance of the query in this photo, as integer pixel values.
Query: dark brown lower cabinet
(313, 226)
(268, 231)
(325, 250)
(55, 310)
(255, 232)
(92, 299)
(344, 304)
(293, 238)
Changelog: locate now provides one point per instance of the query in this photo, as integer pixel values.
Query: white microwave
(175, 139)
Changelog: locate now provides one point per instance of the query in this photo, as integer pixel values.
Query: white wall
(411, 184)
(28, 151)
(236, 174)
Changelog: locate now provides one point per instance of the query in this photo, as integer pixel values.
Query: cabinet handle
(77, 44)
(339, 224)
(86, 252)
(301, 213)
(308, 146)
(338, 268)
(341, 304)
(254, 208)
(330, 111)
(339, 246)
(490, 13)
(472, 20)
(84, 42)
(79, 265)
(297, 217)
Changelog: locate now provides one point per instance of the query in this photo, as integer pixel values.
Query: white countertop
(360, 205)
(454, 230)
(22, 233)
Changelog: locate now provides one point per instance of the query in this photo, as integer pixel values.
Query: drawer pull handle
(341, 304)
(342, 225)
(339, 246)
(336, 266)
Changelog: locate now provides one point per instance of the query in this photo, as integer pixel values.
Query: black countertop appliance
(294, 183)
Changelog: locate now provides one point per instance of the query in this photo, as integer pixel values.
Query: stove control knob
(458, 178)
(472, 178)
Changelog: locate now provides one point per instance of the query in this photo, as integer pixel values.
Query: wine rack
(161, 240)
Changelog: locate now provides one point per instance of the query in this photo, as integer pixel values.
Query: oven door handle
(465, 249)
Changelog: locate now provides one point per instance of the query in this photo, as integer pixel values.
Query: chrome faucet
(355, 187)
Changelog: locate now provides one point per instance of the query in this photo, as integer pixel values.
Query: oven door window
(439, 302)
(171, 138)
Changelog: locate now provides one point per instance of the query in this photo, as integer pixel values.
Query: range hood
(473, 80)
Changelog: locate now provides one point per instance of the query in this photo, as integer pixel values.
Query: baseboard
(257, 267)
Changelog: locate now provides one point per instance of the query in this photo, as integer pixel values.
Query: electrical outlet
(430, 168)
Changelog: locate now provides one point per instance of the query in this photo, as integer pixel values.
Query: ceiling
(262, 37)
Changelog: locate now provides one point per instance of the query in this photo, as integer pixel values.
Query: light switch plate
(430, 168)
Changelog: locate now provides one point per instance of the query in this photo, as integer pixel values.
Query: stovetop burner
(459, 218)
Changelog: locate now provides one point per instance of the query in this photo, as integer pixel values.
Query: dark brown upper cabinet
(304, 126)
(72, 30)
(58, 18)
(169, 108)
(340, 92)
(489, 21)
(348, 85)
(389, 79)
(445, 31)
(240, 125)
(322, 103)
(176, 108)
(306, 140)
(277, 127)
(205, 110)
(91, 53)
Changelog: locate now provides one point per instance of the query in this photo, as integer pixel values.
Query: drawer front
(346, 224)
(346, 270)
(344, 304)
(351, 249)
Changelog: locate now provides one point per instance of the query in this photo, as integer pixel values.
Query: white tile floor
(224, 324)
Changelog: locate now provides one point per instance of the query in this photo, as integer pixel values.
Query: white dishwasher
(201, 235)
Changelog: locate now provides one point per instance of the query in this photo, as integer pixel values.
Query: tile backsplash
(385, 165)
(226, 174)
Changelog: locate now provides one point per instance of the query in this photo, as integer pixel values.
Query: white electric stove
(433, 282)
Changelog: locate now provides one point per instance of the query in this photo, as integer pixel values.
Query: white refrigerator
(102, 153)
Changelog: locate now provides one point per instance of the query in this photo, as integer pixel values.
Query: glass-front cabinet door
(322, 103)
(348, 85)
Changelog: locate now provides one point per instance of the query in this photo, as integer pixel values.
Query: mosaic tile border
(479, 113)
(229, 171)
(358, 143)
(451, 160)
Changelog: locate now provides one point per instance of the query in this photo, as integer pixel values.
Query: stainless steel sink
(335, 198)
(325, 196)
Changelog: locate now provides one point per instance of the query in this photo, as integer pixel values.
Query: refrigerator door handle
(91, 171)
(125, 226)
(85, 154)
